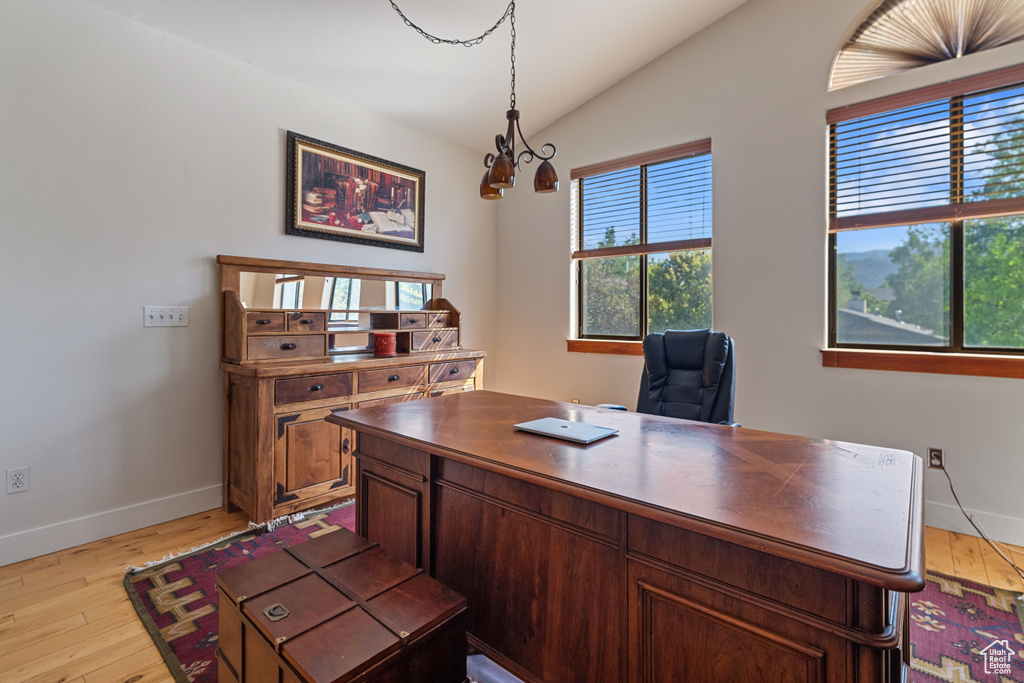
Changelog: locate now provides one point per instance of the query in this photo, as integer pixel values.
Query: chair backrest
(688, 374)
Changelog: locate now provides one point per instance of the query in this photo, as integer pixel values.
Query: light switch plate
(165, 316)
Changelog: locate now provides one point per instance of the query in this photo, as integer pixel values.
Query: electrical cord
(981, 533)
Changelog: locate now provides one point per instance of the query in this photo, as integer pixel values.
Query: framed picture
(339, 194)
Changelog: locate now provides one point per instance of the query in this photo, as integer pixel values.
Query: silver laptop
(564, 429)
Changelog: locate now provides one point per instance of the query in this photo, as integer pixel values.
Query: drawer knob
(288, 347)
(453, 371)
(393, 378)
(437, 339)
(317, 387)
(306, 321)
(263, 321)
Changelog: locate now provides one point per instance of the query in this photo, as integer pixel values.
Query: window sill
(918, 361)
(620, 348)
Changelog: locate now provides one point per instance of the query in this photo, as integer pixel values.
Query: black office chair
(688, 374)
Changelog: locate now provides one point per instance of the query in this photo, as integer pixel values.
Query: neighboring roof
(854, 327)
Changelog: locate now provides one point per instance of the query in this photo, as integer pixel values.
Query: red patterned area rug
(965, 632)
(959, 631)
(177, 601)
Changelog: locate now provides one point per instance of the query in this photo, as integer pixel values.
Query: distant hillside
(871, 267)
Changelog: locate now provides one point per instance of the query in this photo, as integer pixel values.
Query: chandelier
(501, 167)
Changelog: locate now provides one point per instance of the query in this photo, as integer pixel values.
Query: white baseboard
(42, 540)
(997, 527)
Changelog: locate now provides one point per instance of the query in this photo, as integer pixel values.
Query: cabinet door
(312, 460)
(683, 630)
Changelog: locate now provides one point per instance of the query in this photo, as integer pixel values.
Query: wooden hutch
(297, 346)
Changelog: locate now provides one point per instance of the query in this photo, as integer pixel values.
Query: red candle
(385, 344)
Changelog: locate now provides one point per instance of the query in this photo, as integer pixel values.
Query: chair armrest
(611, 406)
(730, 424)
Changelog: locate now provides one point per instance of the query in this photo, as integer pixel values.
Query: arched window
(904, 34)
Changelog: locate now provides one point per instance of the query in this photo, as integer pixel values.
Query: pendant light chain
(501, 167)
(512, 15)
(509, 11)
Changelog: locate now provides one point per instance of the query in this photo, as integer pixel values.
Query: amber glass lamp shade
(546, 180)
(502, 174)
(488, 192)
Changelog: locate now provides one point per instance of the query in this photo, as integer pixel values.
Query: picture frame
(336, 193)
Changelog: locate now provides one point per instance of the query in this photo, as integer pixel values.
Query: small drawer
(307, 322)
(434, 340)
(439, 318)
(392, 378)
(283, 347)
(398, 321)
(412, 321)
(390, 399)
(448, 372)
(264, 322)
(312, 388)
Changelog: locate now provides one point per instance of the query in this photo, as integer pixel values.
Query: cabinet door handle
(393, 378)
(306, 321)
(288, 347)
(263, 321)
(317, 387)
(344, 446)
(453, 371)
(437, 339)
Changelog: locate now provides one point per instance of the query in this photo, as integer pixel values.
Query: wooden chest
(336, 609)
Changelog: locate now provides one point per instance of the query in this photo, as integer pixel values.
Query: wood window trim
(607, 346)
(953, 88)
(643, 159)
(975, 364)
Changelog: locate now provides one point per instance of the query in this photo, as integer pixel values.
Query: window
(927, 219)
(905, 34)
(289, 289)
(344, 297)
(643, 243)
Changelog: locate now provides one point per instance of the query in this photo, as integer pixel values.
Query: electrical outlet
(936, 458)
(576, 401)
(165, 316)
(17, 480)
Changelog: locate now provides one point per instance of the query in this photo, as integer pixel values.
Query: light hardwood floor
(65, 618)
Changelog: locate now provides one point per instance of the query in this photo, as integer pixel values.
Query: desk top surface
(849, 508)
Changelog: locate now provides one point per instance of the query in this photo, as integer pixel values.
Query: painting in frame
(339, 194)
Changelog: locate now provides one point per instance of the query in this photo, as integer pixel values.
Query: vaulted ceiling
(567, 51)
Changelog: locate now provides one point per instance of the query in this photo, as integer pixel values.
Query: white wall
(128, 160)
(755, 82)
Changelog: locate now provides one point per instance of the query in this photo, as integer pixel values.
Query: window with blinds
(927, 218)
(642, 229)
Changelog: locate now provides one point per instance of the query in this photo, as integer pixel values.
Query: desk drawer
(435, 340)
(264, 322)
(307, 322)
(457, 389)
(392, 378)
(390, 399)
(312, 388)
(281, 347)
(449, 372)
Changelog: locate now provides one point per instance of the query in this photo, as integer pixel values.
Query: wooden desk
(674, 551)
